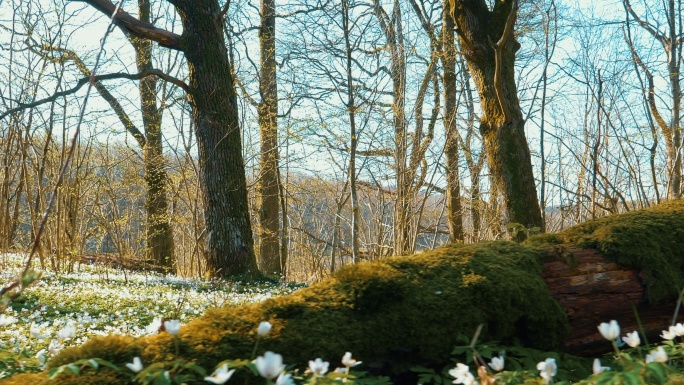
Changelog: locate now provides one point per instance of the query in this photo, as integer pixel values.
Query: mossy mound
(407, 311)
(650, 240)
(391, 314)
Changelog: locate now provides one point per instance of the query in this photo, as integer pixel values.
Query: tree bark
(270, 260)
(351, 108)
(392, 29)
(159, 234)
(454, 211)
(215, 112)
(593, 290)
(489, 47)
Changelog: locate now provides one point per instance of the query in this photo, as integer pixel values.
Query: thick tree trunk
(269, 222)
(454, 212)
(215, 113)
(159, 234)
(490, 54)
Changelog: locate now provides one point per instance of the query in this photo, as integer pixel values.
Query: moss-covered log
(404, 311)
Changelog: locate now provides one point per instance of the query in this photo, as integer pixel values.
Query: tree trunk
(269, 221)
(674, 159)
(453, 196)
(222, 172)
(159, 234)
(392, 29)
(351, 108)
(489, 47)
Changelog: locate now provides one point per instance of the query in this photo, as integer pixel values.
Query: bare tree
(671, 41)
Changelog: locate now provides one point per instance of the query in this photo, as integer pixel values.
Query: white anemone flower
(347, 360)
(547, 369)
(6, 320)
(37, 331)
(136, 365)
(54, 347)
(42, 356)
(669, 334)
(154, 326)
(632, 339)
(284, 379)
(497, 364)
(270, 365)
(679, 329)
(318, 367)
(609, 331)
(597, 368)
(172, 326)
(220, 375)
(657, 355)
(67, 333)
(264, 328)
(462, 375)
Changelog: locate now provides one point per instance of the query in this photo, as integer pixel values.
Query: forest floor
(97, 300)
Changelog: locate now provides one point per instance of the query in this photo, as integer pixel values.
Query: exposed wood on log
(593, 290)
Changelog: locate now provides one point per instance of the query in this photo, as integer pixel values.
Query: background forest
(366, 128)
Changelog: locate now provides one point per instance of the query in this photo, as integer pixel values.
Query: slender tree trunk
(159, 234)
(392, 29)
(352, 134)
(269, 221)
(674, 158)
(215, 113)
(453, 196)
(489, 46)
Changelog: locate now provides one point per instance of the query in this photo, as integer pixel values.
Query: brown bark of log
(593, 290)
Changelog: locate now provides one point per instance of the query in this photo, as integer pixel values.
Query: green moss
(651, 240)
(113, 348)
(26, 378)
(544, 240)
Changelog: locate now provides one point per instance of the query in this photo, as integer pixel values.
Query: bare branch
(84, 81)
(131, 25)
(104, 92)
(653, 31)
(224, 10)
